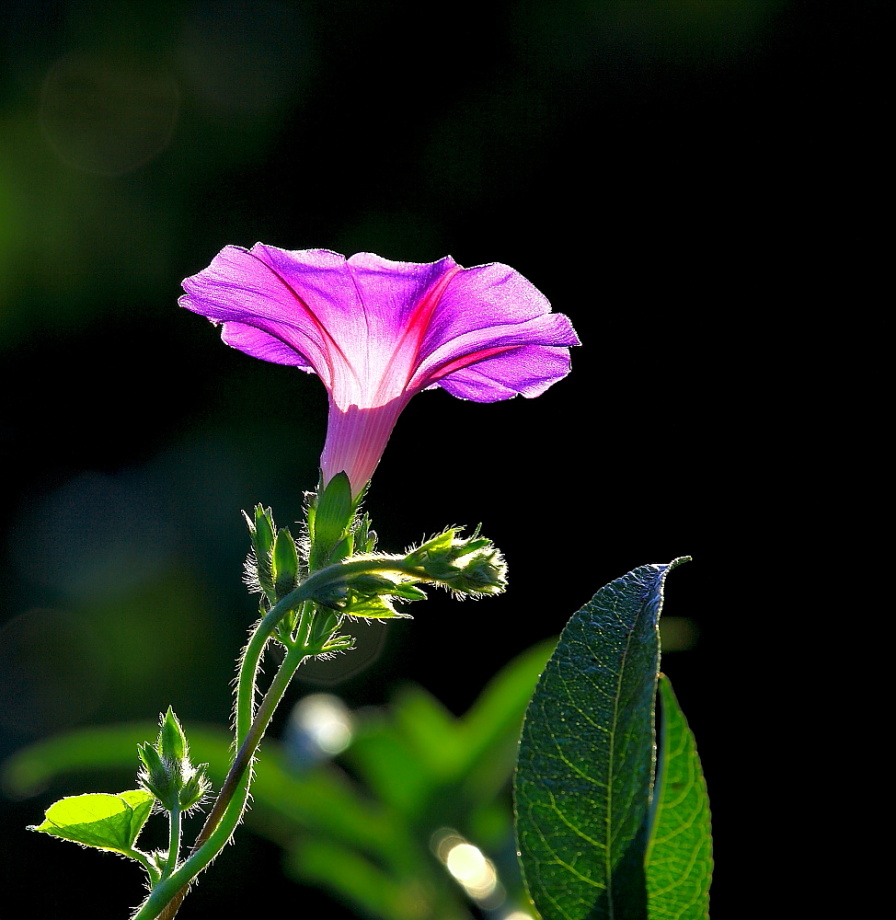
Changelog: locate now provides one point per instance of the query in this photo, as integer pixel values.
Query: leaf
(679, 854)
(373, 607)
(585, 769)
(107, 822)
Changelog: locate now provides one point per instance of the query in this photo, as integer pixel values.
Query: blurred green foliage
(368, 826)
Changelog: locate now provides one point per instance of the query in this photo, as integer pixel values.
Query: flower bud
(466, 565)
(167, 771)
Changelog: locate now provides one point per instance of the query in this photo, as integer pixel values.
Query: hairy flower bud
(167, 771)
(466, 565)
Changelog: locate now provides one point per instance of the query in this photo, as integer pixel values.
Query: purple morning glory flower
(376, 332)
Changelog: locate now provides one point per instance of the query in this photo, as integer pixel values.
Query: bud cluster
(166, 770)
(465, 565)
(359, 583)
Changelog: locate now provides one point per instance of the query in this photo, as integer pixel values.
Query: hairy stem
(229, 806)
(174, 833)
(166, 897)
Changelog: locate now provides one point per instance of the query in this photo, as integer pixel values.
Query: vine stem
(166, 897)
(228, 810)
(174, 834)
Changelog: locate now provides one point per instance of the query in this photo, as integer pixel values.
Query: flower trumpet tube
(377, 332)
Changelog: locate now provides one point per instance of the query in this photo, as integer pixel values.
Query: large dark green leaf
(679, 853)
(586, 761)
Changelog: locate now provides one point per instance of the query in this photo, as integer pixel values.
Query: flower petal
(356, 322)
(523, 371)
(254, 289)
(356, 439)
(492, 315)
(262, 345)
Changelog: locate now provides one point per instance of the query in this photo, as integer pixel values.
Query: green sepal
(365, 538)
(373, 583)
(263, 543)
(285, 563)
(343, 549)
(261, 530)
(158, 859)
(323, 627)
(368, 596)
(196, 786)
(338, 643)
(99, 820)
(433, 547)
(158, 776)
(331, 518)
(172, 740)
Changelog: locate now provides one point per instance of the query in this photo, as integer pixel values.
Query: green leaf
(679, 854)
(585, 769)
(373, 607)
(107, 822)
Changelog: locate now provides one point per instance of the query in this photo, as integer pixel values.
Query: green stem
(230, 804)
(166, 896)
(174, 833)
(147, 864)
(246, 688)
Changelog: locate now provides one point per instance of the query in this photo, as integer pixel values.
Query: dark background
(678, 177)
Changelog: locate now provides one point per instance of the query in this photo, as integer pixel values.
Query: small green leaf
(373, 607)
(679, 854)
(107, 822)
(585, 769)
